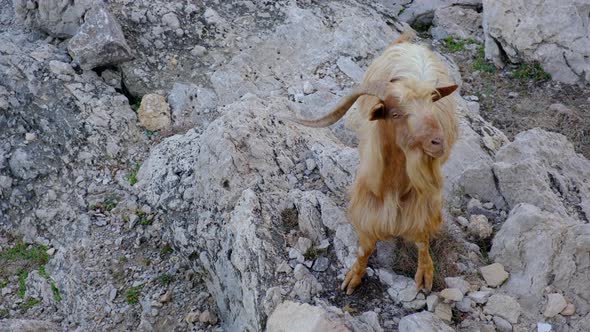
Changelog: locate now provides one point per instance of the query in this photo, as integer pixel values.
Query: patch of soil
(514, 100)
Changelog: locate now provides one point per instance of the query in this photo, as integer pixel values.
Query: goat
(406, 129)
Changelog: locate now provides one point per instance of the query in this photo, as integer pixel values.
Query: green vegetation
(36, 255)
(313, 253)
(56, 293)
(530, 71)
(107, 205)
(132, 177)
(4, 313)
(43, 273)
(136, 104)
(29, 303)
(143, 218)
(3, 283)
(480, 62)
(165, 279)
(132, 295)
(456, 45)
(22, 286)
(166, 250)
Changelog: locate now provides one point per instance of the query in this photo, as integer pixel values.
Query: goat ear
(443, 92)
(378, 112)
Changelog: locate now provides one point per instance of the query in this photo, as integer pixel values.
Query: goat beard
(424, 172)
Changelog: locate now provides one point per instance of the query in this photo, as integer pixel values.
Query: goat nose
(436, 141)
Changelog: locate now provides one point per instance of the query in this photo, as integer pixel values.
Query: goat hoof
(351, 281)
(424, 277)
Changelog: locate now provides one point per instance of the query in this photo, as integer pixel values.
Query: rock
(166, 297)
(457, 22)
(465, 305)
(171, 20)
(154, 112)
(570, 309)
(513, 94)
(25, 325)
(432, 302)
(50, 251)
(494, 274)
(192, 317)
(284, 268)
(444, 312)
(291, 316)
(504, 306)
(208, 317)
(463, 221)
(479, 227)
(544, 327)
(303, 244)
(198, 51)
(502, 325)
(459, 283)
(350, 68)
(321, 264)
(99, 41)
(549, 163)
(192, 105)
(540, 246)
(530, 33)
(58, 18)
(479, 297)
(488, 205)
(308, 88)
(61, 68)
(423, 321)
(402, 289)
(451, 294)
(555, 304)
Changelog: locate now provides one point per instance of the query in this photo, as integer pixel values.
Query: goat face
(413, 115)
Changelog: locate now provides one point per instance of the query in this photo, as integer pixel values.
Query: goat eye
(395, 115)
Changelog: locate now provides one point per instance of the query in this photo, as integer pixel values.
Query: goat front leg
(354, 276)
(425, 271)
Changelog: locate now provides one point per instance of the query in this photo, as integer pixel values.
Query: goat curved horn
(379, 89)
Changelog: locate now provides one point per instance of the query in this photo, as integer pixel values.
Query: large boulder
(543, 249)
(58, 18)
(423, 321)
(554, 34)
(457, 22)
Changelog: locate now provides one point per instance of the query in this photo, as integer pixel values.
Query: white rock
(198, 51)
(457, 22)
(432, 302)
(502, 325)
(544, 327)
(463, 221)
(154, 112)
(494, 274)
(479, 226)
(308, 88)
(50, 251)
(465, 305)
(444, 312)
(451, 294)
(457, 282)
(555, 304)
(424, 322)
(569, 310)
(291, 316)
(504, 306)
(479, 297)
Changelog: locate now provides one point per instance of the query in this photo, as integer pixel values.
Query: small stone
(414, 305)
(544, 327)
(192, 317)
(296, 254)
(284, 268)
(198, 51)
(112, 293)
(555, 304)
(444, 312)
(472, 98)
(569, 310)
(479, 297)
(431, 302)
(154, 112)
(480, 227)
(512, 94)
(457, 282)
(208, 317)
(504, 306)
(494, 274)
(166, 297)
(310, 164)
(465, 305)
(451, 294)
(5, 291)
(308, 88)
(171, 20)
(502, 325)
(300, 272)
(488, 205)
(303, 244)
(29, 137)
(463, 221)
(472, 204)
(321, 264)
(133, 219)
(50, 251)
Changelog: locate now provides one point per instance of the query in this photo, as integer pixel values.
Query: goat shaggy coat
(406, 128)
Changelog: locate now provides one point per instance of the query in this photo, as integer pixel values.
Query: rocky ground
(146, 182)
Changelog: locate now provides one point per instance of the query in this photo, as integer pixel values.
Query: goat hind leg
(425, 271)
(354, 276)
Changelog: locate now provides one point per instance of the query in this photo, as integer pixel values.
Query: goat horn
(374, 88)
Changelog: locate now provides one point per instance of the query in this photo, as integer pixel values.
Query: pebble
(431, 302)
(463, 221)
(480, 227)
(494, 274)
(457, 282)
(308, 88)
(502, 325)
(479, 297)
(472, 98)
(512, 94)
(29, 137)
(488, 205)
(321, 264)
(504, 306)
(50, 251)
(451, 294)
(310, 164)
(303, 244)
(296, 254)
(284, 267)
(464, 305)
(544, 327)
(198, 51)
(192, 317)
(444, 312)
(569, 310)
(208, 317)
(555, 304)
(166, 297)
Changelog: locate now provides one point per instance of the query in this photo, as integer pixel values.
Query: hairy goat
(406, 128)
